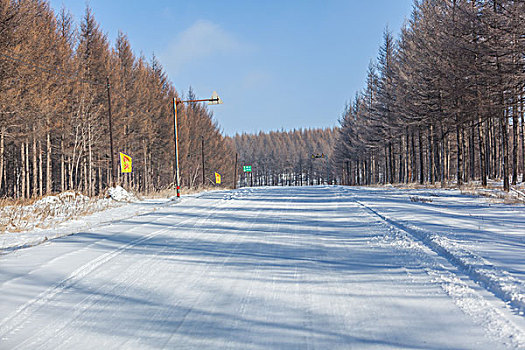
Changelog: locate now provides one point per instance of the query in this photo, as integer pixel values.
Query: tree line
(444, 102)
(59, 86)
(285, 158)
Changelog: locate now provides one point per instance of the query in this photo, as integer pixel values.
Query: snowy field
(273, 268)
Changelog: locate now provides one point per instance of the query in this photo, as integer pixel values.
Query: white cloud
(203, 39)
(256, 79)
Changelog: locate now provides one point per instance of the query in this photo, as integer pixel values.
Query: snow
(486, 240)
(47, 211)
(120, 194)
(283, 267)
(64, 214)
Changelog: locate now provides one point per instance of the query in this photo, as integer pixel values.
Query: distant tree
(296, 157)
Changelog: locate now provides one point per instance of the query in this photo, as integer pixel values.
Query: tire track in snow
(496, 324)
(99, 296)
(167, 313)
(18, 317)
(497, 281)
(199, 295)
(70, 253)
(195, 282)
(58, 327)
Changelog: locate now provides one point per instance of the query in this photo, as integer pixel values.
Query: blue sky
(276, 64)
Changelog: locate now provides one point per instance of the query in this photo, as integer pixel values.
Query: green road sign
(247, 168)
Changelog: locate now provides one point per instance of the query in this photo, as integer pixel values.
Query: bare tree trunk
(62, 166)
(497, 149)
(70, 173)
(522, 110)
(413, 165)
(91, 189)
(109, 175)
(376, 169)
(408, 162)
(430, 155)
(28, 174)
(119, 181)
(2, 151)
(435, 155)
(100, 180)
(357, 173)
(472, 150)
(402, 159)
(392, 162)
(464, 155)
(482, 164)
(491, 149)
(421, 159)
(447, 157)
(459, 171)
(504, 121)
(85, 176)
(35, 166)
(49, 170)
(145, 150)
(515, 141)
(23, 170)
(488, 148)
(40, 172)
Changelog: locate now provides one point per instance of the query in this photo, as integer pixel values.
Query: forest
(287, 158)
(444, 102)
(66, 91)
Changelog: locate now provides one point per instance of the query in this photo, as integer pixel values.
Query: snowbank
(70, 212)
(48, 211)
(64, 214)
(51, 210)
(121, 195)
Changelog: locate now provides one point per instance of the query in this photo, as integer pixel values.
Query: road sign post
(248, 169)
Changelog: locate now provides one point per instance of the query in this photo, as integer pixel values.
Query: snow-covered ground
(485, 239)
(290, 267)
(65, 214)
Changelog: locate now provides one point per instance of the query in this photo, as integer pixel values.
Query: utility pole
(113, 176)
(211, 101)
(202, 154)
(176, 142)
(235, 172)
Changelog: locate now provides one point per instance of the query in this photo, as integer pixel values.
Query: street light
(214, 100)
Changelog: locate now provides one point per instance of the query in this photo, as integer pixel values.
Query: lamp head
(215, 99)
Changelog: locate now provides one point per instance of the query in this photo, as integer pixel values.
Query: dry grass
(170, 192)
(420, 199)
(417, 186)
(43, 212)
(6, 202)
(495, 195)
(494, 190)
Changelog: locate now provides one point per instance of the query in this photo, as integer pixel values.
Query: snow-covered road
(265, 268)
